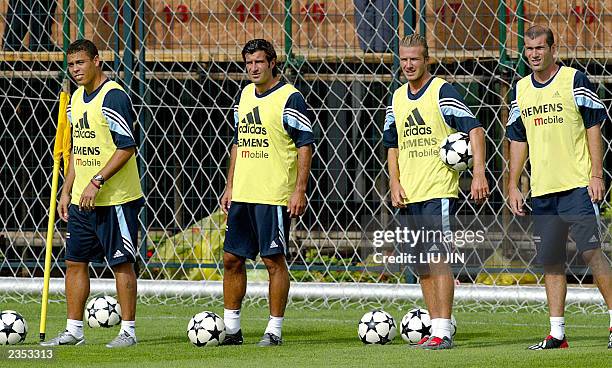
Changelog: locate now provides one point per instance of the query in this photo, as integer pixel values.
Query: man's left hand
(88, 198)
(480, 188)
(597, 189)
(297, 204)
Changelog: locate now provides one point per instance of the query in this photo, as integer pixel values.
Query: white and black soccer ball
(103, 311)
(456, 151)
(416, 324)
(13, 328)
(377, 327)
(206, 329)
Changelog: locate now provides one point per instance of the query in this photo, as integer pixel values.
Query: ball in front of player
(13, 328)
(206, 329)
(456, 151)
(377, 327)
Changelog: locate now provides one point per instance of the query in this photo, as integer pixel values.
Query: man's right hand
(226, 200)
(62, 207)
(516, 201)
(398, 196)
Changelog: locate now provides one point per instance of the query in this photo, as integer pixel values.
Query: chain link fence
(181, 62)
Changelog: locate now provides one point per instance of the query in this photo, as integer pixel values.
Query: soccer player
(555, 116)
(424, 112)
(266, 185)
(101, 196)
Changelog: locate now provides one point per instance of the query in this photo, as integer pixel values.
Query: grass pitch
(324, 338)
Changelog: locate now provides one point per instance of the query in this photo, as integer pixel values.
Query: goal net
(181, 63)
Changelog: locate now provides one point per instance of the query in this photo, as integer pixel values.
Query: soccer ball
(103, 311)
(13, 328)
(377, 327)
(416, 324)
(456, 151)
(206, 329)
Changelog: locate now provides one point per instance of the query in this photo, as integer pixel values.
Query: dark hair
(83, 45)
(260, 44)
(537, 30)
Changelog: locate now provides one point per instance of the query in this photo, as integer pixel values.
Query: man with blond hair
(424, 112)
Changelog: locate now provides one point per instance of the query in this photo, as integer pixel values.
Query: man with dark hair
(422, 114)
(101, 196)
(262, 45)
(266, 185)
(555, 117)
(536, 31)
(83, 45)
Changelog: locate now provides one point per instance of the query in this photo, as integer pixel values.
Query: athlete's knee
(440, 268)
(554, 269)
(592, 256)
(275, 264)
(124, 268)
(232, 262)
(596, 260)
(72, 266)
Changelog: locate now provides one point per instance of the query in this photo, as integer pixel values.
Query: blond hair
(415, 40)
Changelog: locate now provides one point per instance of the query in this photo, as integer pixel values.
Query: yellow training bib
(266, 162)
(420, 130)
(93, 146)
(558, 150)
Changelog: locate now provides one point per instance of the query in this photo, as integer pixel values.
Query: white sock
(557, 327)
(275, 325)
(610, 311)
(435, 327)
(444, 328)
(75, 327)
(129, 327)
(231, 318)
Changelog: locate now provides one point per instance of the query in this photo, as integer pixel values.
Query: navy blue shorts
(434, 219)
(557, 215)
(109, 232)
(256, 229)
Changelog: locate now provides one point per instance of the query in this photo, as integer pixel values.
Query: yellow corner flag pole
(61, 149)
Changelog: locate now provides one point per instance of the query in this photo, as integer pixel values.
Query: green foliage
(326, 268)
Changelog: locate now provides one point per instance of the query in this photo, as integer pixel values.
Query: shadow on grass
(463, 336)
(165, 339)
